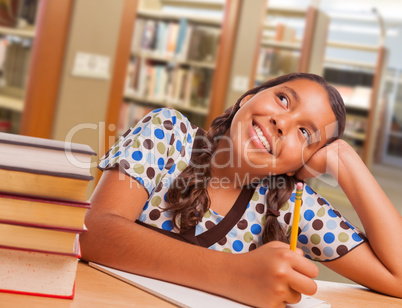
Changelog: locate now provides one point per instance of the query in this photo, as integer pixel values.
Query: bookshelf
(361, 85)
(17, 32)
(391, 150)
(31, 53)
(172, 63)
(294, 39)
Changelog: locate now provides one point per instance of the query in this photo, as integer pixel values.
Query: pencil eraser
(299, 186)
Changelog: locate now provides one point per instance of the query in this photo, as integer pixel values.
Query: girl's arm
(268, 276)
(378, 263)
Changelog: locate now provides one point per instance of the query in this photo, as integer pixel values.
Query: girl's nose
(280, 124)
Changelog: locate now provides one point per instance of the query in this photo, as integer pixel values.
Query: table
(96, 289)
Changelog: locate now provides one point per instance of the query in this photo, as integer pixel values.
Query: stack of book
(43, 201)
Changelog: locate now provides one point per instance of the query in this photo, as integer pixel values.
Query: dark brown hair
(188, 197)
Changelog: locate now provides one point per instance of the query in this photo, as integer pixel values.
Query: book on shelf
(5, 120)
(15, 58)
(3, 51)
(349, 77)
(203, 44)
(180, 40)
(27, 11)
(38, 273)
(9, 13)
(44, 212)
(187, 86)
(44, 168)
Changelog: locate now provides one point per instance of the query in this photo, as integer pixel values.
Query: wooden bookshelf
(369, 100)
(11, 103)
(172, 60)
(27, 32)
(147, 13)
(165, 103)
(170, 79)
(15, 50)
(12, 96)
(33, 98)
(391, 139)
(282, 47)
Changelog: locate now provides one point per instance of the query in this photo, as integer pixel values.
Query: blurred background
(87, 70)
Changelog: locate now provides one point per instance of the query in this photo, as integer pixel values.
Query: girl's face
(278, 129)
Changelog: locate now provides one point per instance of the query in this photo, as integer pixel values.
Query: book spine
(49, 173)
(42, 226)
(76, 254)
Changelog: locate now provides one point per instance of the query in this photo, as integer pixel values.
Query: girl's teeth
(262, 138)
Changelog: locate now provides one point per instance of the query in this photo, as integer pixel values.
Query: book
(43, 167)
(27, 11)
(182, 296)
(37, 273)
(40, 238)
(9, 13)
(45, 212)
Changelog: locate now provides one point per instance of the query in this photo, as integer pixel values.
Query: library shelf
(350, 63)
(28, 32)
(11, 103)
(172, 60)
(367, 106)
(165, 69)
(210, 21)
(282, 51)
(355, 135)
(288, 11)
(214, 5)
(283, 45)
(354, 46)
(166, 103)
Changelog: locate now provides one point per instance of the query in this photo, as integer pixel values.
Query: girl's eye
(284, 100)
(306, 134)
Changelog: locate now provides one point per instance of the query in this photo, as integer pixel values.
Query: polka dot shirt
(159, 148)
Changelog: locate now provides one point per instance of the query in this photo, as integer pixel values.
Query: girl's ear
(245, 99)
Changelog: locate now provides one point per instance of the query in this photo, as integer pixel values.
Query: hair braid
(277, 197)
(188, 197)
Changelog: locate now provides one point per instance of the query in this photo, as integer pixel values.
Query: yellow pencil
(296, 216)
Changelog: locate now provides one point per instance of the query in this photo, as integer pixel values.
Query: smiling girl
(170, 190)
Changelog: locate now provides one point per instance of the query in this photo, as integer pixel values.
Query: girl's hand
(275, 275)
(325, 160)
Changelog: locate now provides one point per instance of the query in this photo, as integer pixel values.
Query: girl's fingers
(302, 284)
(305, 267)
(294, 297)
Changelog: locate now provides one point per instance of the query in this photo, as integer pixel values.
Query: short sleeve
(152, 148)
(324, 234)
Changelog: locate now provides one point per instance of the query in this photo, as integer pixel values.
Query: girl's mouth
(258, 135)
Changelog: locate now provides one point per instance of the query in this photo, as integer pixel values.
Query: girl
(231, 190)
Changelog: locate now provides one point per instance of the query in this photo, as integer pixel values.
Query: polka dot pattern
(159, 148)
(325, 235)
